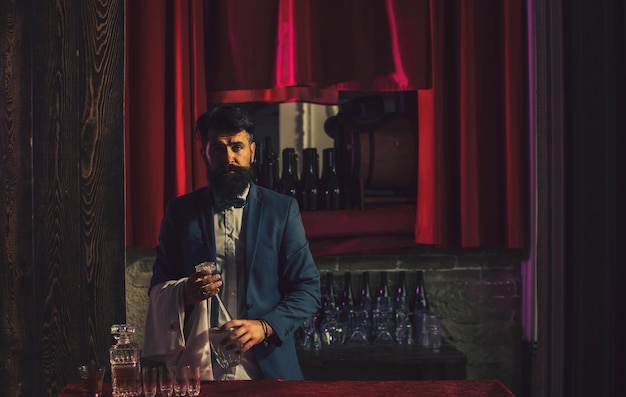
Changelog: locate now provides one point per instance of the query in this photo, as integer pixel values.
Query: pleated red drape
(472, 162)
(465, 57)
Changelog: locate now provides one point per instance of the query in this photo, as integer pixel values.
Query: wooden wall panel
(62, 178)
(56, 193)
(16, 256)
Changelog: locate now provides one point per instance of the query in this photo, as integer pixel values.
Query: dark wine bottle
(289, 177)
(403, 328)
(330, 189)
(267, 155)
(309, 182)
(257, 165)
(270, 171)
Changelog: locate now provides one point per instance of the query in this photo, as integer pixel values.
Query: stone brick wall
(476, 292)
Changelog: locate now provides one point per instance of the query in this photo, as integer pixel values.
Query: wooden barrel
(383, 158)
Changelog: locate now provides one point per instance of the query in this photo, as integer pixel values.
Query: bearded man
(266, 277)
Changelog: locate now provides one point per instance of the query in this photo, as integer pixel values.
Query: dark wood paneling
(62, 188)
(56, 194)
(16, 256)
(102, 171)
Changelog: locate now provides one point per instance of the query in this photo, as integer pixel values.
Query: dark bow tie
(221, 205)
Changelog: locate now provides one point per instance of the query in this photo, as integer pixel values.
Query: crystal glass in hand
(181, 384)
(166, 381)
(149, 379)
(210, 266)
(226, 358)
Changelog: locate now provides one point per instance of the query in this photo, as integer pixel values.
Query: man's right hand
(200, 286)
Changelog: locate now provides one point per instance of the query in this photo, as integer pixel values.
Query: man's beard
(229, 186)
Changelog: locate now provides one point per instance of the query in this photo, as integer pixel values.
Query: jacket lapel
(253, 214)
(205, 221)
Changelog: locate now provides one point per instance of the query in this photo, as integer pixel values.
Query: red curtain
(473, 146)
(466, 58)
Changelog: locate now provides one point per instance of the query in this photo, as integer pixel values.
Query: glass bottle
(330, 190)
(124, 359)
(289, 177)
(420, 306)
(270, 174)
(362, 332)
(257, 165)
(331, 331)
(309, 194)
(382, 315)
(346, 305)
(403, 332)
(267, 149)
(269, 164)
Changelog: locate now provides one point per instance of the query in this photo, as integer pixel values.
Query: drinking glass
(332, 331)
(311, 340)
(181, 383)
(404, 330)
(166, 381)
(383, 319)
(92, 378)
(149, 378)
(361, 329)
(225, 358)
(193, 380)
(431, 337)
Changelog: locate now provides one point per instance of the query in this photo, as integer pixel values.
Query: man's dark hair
(227, 118)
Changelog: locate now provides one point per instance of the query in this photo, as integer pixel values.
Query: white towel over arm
(165, 337)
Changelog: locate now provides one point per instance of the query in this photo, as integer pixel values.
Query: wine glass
(193, 380)
(226, 358)
(149, 378)
(166, 381)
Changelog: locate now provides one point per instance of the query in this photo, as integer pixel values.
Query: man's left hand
(247, 334)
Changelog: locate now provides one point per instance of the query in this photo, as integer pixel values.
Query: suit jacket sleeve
(284, 285)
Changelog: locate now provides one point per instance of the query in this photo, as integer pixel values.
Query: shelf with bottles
(336, 221)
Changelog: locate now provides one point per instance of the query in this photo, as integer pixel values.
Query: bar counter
(271, 388)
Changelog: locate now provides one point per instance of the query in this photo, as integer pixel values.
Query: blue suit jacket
(283, 283)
